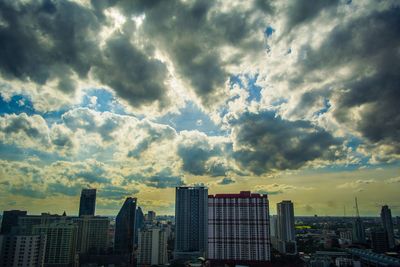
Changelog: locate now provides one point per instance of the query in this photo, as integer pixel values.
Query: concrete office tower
(61, 242)
(10, 220)
(238, 228)
(87, 203)
(286, 237)
(151, 216)
(92, 234)
(152, 247)
(191, 222)
(125, 227)
(387, 223)
(22, 250)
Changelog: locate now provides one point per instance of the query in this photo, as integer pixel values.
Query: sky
(296, 99)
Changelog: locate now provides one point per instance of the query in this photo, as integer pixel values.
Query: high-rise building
(22, 250)
(125, 227)
(191, 222)
(61, 242)
(358, 227)
(10, 220)
(139, 223)
(387, 223)
(92, 234)
(238, 228)
(286, 236)
(152, 248)
(379, 241)
(151, 216)
(87, 204)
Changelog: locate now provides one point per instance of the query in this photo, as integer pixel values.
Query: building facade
(61, 242)
(92, 234)
(22, 250)
(124, 239)
(238, 228)
(191, 214)
(152, 249)
(87, 204)
(387, 223)
(286, 236)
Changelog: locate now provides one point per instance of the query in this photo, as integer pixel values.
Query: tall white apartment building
(238, 228)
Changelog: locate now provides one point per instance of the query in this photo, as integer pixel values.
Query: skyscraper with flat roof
(125, 227)
(286, 237)
(238, 228)
(87, 204)
(191, 216)
(387, 223)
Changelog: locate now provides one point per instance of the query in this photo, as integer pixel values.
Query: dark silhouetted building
(358, 231)
(379, 241)
(10, 220)
(87, 203)
(191, 217)
(151, 216)
(286, 237)
(125, 227)
(238, 228)
(387, 223)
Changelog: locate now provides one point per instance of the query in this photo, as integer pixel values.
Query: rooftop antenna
(357, 212)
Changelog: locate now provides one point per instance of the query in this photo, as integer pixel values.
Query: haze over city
(297, 99)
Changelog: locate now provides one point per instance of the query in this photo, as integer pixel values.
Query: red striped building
(238, 228)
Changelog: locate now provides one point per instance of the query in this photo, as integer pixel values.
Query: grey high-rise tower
(387, 223)
(125, 227)
(191, 221)
(87, 203)
(286, 237)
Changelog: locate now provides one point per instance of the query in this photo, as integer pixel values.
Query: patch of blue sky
(191, 117)
(102, 100)
(235, 80)
(16, 105)
(269, 31)
(253, 89)
(325, 109)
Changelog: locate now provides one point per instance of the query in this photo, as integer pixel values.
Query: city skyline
(293, 99)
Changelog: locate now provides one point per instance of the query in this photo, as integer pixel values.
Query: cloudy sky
(297, 99)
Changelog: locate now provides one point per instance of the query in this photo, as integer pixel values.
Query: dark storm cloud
(226, 181)
(266, 142)
(44, 40)
(370, 44)
(163, 179)
(195, 155)
(192, 33)
(301, 11)
(131, 73)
